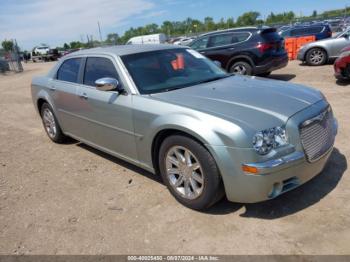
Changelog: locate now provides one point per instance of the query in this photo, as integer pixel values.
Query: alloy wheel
(49, 123)
(184, 172)
(316, 56)
(239, 69)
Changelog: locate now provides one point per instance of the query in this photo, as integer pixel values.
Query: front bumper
(301, 54)
(275, 177)
(278, 172)
(339, 68)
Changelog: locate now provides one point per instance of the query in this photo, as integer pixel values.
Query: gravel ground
(72, 199)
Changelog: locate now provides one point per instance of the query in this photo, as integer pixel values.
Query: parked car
(320, 31)
(41, 50)
(342, 65)
(246, 51)
(183, 41)
(148, 39)
(170, 110)
(320, 52)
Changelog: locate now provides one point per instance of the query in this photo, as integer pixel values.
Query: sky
(54, 22)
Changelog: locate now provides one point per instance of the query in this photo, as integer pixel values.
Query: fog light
(276, 190)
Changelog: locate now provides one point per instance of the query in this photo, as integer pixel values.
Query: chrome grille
(317, 135)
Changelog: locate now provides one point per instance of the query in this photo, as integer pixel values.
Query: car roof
(121, 50)
(251, 29)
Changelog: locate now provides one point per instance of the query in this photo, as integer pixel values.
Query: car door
(222, 47)
(63, 89)
(105, 116)
(337, 44)
(219, 47)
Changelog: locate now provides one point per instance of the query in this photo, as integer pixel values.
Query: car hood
(255, 102)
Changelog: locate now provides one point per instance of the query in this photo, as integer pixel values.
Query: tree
(167, 27)
(66, 46)
(112, 38)
(314, 13)
(7, 45)
(285, 17)
(249, 18)
(209, 24)
(230, 22)
(76, 44)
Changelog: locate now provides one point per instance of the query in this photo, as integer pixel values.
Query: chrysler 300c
(173, 112)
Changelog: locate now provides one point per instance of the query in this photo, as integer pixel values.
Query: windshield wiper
(194, 83)
(212, 79)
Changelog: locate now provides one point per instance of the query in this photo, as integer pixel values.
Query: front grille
(317, 135)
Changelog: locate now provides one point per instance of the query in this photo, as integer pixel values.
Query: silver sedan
(173, 112)
(320, 52)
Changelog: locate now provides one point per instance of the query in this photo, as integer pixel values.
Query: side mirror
(217, 63)
(108, 84)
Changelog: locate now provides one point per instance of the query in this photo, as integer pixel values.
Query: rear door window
(98, 67)
(315, 30)
(69, 70)
(227, 39)
(297, 32)
(220, 40)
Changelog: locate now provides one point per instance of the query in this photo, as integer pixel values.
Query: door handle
(83, 95)
(52, 88)
(202, 52)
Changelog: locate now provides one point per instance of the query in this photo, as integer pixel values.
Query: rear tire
(51, 126)
(190, 172)
(316, 57)
(241, 68)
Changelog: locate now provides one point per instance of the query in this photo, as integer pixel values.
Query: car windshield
(342, 33)
(170, 69)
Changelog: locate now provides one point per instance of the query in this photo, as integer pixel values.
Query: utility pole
(99, 30)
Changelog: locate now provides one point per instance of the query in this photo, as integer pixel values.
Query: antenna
(99, 30)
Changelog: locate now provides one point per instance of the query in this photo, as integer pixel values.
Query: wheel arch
(39, 103)
(234, 59)
(161, 135)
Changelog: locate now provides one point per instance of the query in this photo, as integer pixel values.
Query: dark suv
(246, 51)
(318, 30)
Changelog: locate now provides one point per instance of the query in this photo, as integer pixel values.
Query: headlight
(266, 140)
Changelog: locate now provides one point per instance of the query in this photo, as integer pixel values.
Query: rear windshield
(269, 35)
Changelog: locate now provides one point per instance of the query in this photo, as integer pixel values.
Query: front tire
(190, 172)
(316, 57)
(51, 126)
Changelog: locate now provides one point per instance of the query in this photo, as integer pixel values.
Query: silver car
(173, 112)
(320, 52)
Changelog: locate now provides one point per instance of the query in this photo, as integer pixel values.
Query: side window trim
(82, 71)
(215, 47)
(115, 64)
(59, 67)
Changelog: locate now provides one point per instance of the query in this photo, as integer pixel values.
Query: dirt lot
(72, 199)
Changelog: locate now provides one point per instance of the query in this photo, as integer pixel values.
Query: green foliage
(248, 19)
(7, 45)
(112, 39)
(286, 17)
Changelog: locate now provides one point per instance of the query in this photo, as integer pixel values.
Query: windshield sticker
(195, 54)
